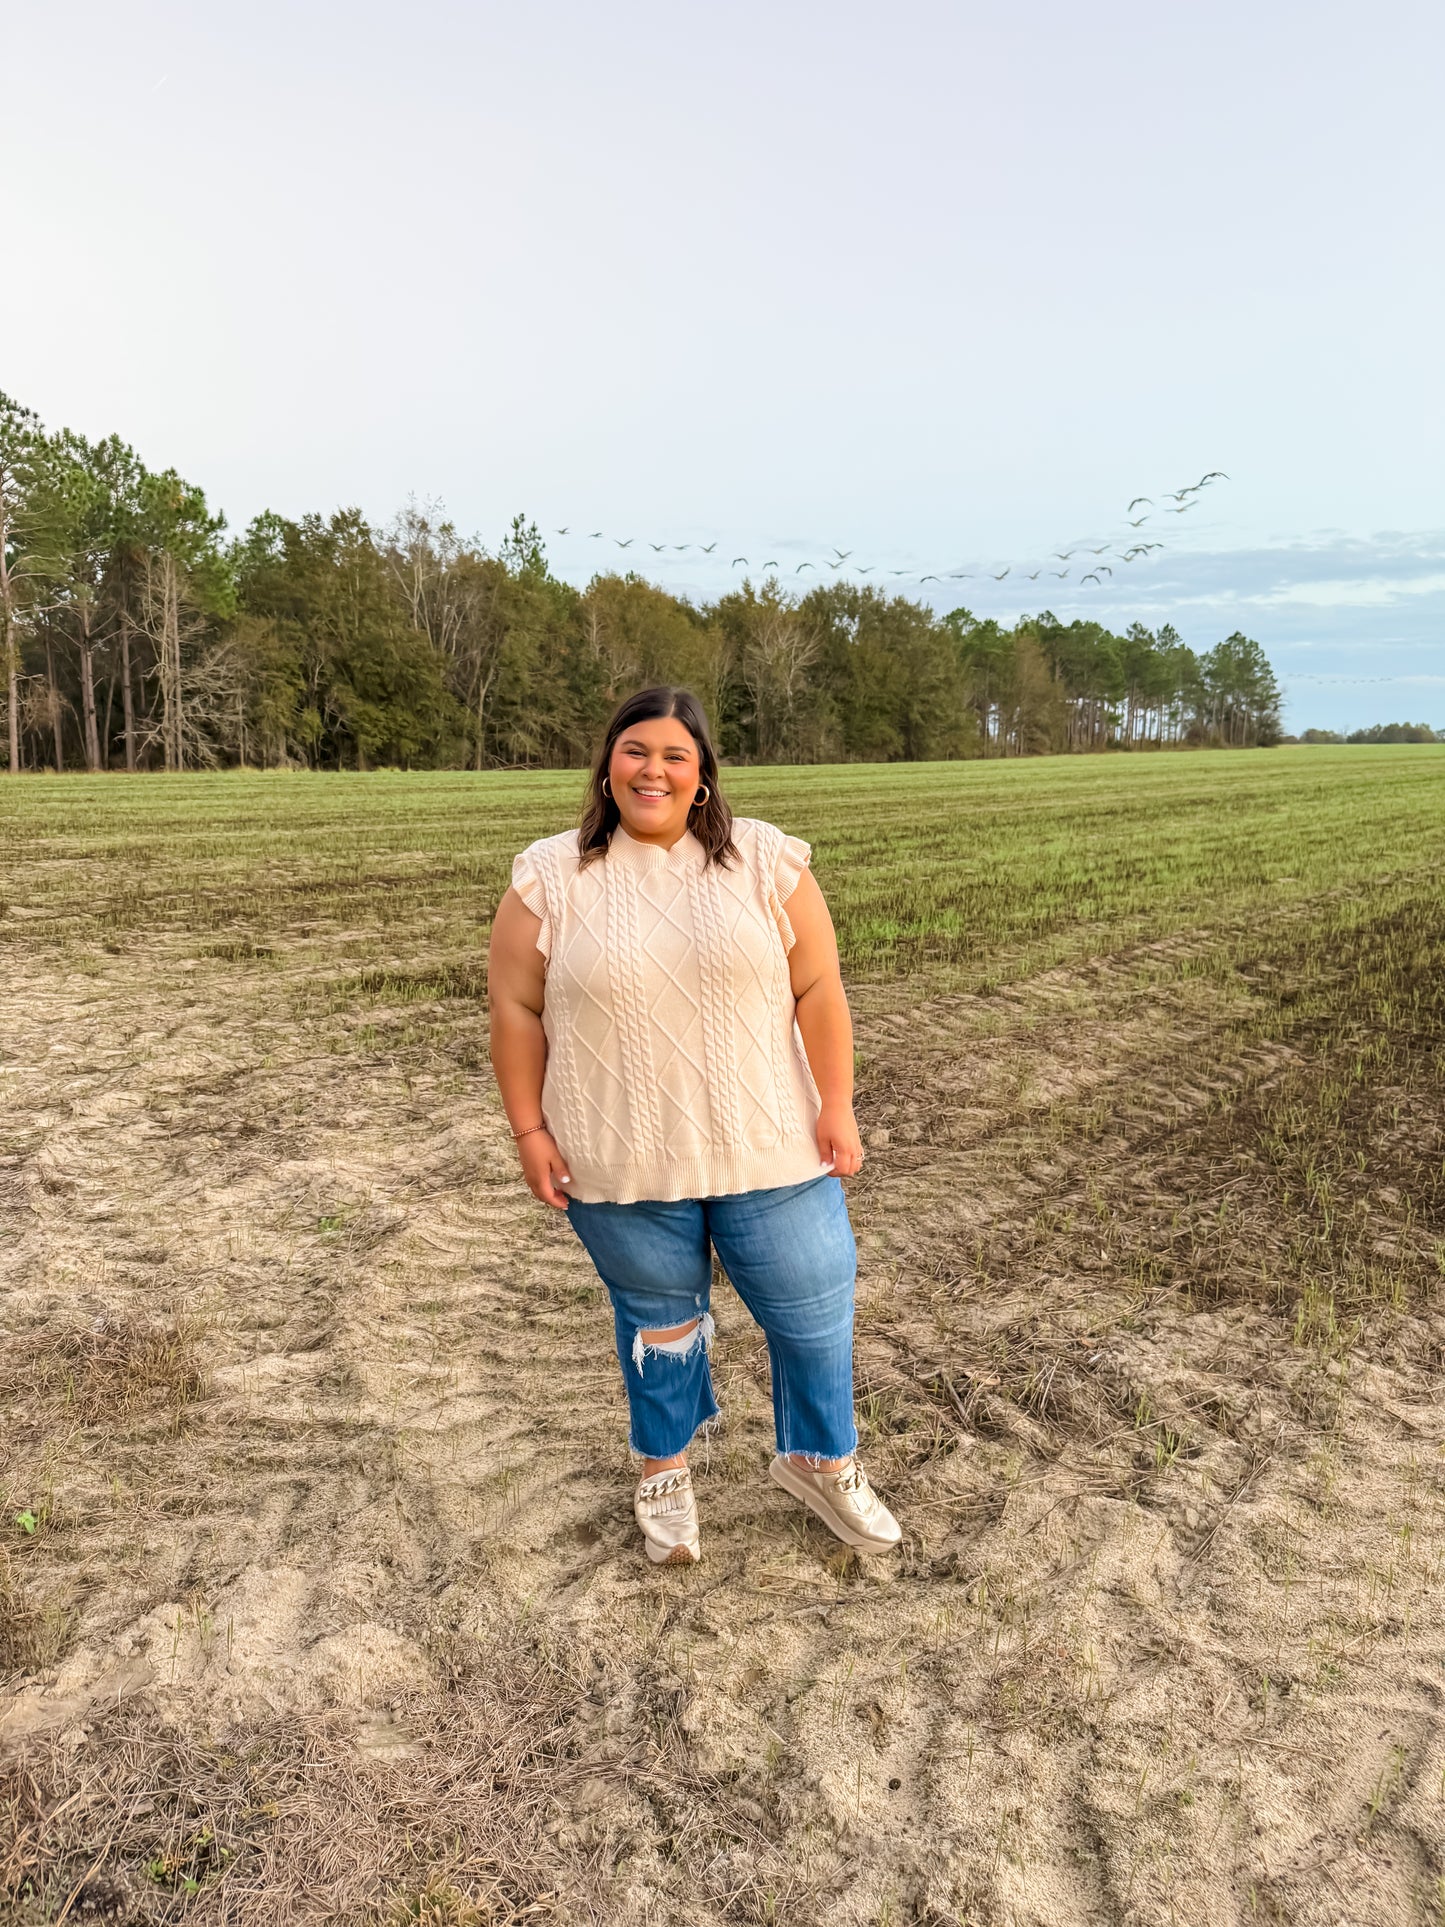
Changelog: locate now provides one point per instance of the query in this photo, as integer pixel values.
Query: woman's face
(654, 774)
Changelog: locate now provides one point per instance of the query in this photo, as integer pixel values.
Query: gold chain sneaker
(666, 1510)
(843, 1499)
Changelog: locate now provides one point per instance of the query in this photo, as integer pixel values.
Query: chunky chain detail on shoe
(854, 1490)
(663, 1485)
(666, 1511)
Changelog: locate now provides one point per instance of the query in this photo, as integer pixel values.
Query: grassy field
(318, 1591)
(961, 871)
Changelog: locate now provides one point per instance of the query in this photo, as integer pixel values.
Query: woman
(675, 1055)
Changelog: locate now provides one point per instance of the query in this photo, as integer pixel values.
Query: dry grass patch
(66, 1392)
(114, 1368)
(33, 1625)
(435, 1812)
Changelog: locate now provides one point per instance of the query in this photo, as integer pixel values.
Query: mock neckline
(652, 856)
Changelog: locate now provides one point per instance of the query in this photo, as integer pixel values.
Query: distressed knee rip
(683, 1345)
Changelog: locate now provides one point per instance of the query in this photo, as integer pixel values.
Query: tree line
(136, 634)
(1377, 733)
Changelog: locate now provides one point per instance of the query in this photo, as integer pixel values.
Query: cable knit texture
(675, 1068)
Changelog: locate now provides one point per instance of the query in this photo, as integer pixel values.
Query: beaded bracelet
(529, 1130)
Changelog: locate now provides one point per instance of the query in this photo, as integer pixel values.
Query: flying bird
(1140, 523)
(1090, 577)
(679, 547)
(1104, 569)
(624, 545)
(658, 546)
(1100, 550)
(1058, 574)
(1177, 495)
(1184, 508)
(961, 575)
(710, 547)
(1137, 500)
(1032, 578)
(736, 559)
(561, 531)
(897, 571)
(1064, 554)
(773, 564)
(1214, 475)
(595, 536)
(842, 554)
(868, 571)
(1002, 573)
(928, 578)
(801, 566)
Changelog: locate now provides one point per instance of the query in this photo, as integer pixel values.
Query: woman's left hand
(838, 1141)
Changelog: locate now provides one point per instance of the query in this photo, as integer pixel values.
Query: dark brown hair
(710, 822)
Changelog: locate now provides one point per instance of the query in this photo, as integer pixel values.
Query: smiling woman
(675, 1054)
(658, 776)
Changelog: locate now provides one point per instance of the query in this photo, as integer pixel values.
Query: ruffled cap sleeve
(794, 856)
(527, 883)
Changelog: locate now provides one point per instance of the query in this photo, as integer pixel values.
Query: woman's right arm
(516, 981)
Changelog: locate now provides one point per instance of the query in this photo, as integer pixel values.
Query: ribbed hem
(711, 1174)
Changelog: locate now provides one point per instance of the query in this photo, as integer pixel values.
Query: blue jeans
(790, 1255)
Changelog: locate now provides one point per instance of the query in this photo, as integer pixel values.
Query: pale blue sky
(945, 285)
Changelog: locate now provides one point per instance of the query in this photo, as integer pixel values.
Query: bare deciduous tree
(197, 681)
(450, 587)
(780, 648)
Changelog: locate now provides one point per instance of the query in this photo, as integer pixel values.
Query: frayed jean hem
(815, 1459)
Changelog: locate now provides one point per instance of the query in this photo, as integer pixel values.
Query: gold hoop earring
(605, 791)
(698, 802)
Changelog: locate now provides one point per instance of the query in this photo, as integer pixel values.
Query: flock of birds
(1170, 502)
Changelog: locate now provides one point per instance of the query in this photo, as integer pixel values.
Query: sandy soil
(1165, 1640)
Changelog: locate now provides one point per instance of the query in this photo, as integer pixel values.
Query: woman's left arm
(825, 1024)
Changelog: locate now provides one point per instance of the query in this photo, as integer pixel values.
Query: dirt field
(320, 1598)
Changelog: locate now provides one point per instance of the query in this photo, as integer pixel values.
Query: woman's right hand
(544, 1168)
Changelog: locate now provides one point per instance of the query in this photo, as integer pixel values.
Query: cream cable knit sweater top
(675, 1068)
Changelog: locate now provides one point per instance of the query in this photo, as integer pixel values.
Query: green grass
(969, 872)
